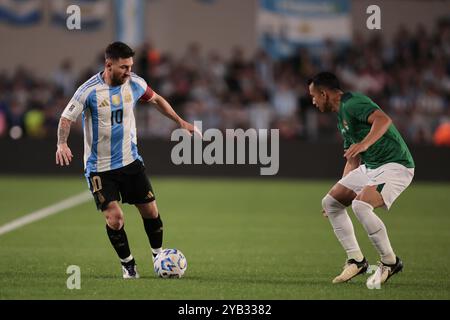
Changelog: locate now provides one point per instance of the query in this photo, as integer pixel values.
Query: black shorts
(129, 183)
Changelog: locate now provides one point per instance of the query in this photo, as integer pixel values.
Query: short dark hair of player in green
(326, 80)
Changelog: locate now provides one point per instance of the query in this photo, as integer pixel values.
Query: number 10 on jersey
(116, 117)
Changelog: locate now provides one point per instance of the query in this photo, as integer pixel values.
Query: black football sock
(119, 241)
(154, 230)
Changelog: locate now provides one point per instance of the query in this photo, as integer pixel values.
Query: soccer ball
(170, 263)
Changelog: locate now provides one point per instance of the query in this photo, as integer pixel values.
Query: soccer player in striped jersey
(113, 167)
(379, 168)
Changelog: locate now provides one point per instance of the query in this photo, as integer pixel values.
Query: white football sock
(156, 251)
(342, 226)
(126, 260)
(376, 230)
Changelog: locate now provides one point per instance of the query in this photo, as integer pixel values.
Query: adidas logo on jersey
(104, 103)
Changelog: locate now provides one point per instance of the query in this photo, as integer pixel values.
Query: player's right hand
(63, 155)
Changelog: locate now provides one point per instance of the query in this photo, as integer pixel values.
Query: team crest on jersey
(345, 124)
(127, 98)
(115, 99)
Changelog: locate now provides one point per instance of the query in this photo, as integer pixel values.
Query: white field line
(45, 212)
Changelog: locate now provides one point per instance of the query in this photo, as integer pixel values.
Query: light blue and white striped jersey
(109, 126)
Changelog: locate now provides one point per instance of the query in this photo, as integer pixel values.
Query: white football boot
(130, 272)
(351, 269)
(383, 273)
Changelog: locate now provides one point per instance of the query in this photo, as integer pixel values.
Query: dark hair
(325, 79)
(118, 50)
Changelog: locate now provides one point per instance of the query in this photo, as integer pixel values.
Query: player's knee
(115, 224)
(360, 207)
(114, 217)
(153, 212)
(148, 210)
(331, 205)
(364, 212)
(325, 202)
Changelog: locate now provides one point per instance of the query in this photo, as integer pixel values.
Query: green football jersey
(353, 113)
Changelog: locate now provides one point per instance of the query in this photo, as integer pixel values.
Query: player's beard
(118, 80)
(327, 106)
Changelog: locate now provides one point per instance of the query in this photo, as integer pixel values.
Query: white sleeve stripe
(86, 84)
(75, 106)
(141, 82)
(84, 91)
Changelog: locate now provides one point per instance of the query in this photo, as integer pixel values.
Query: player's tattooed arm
(63, 153)
(63, 130)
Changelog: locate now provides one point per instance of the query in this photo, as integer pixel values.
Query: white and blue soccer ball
(170, 263)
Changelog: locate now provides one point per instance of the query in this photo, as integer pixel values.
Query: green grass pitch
(243, 239)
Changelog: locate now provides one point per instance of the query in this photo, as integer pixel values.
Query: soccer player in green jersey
(379, 168)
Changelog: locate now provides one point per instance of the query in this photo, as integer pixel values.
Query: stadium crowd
(409, 77)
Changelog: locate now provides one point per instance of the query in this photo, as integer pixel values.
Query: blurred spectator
(34, 121)
(264, 68)
(284, 101)
(215, 73)
(148, 61)
(408, 77)
(65, 77)
(442, 135)
(193, 59)
(3, 124)
(260, 111)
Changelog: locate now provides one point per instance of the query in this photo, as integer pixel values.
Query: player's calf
(154, 230)
(343, 227)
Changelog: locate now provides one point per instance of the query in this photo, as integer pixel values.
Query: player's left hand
(354, 150)
(190, 127)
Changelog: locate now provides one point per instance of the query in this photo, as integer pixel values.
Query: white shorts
(395, 177)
